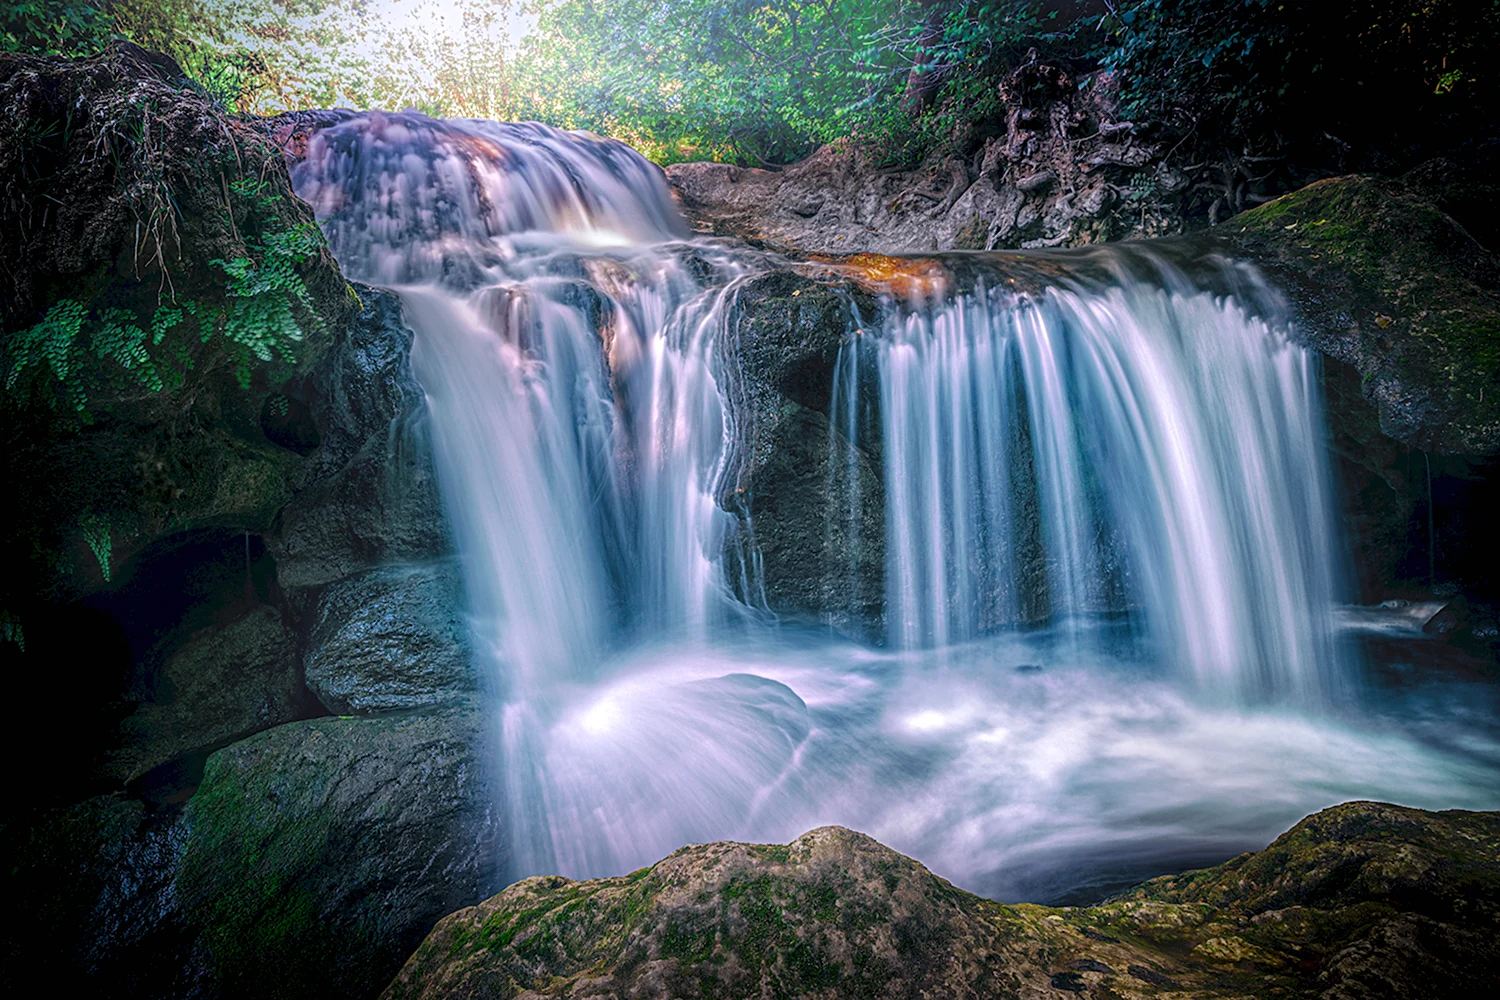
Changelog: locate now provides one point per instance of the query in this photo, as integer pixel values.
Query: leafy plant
(96, 533)
(11, 630)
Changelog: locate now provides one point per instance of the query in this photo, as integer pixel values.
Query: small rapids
(1113, 570)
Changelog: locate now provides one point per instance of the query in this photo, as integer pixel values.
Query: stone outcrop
(369, 492)
(1386, 282)
(1063, 171)
(318, 853)
(1363, 899)
(811, 498)
(226, 682)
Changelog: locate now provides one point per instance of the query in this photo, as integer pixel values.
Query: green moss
(1423, 296)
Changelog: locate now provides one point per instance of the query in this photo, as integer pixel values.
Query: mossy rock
(835, 914)
(318, 853)
(1385, 281)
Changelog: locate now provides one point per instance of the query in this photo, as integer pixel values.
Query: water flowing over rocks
(820, 535)
(283, 552)
(1364, 899)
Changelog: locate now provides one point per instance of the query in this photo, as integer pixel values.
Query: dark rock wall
(309, 859)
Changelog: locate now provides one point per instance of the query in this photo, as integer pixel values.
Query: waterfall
(1108, 533)
(1144, 448)
(565, 346)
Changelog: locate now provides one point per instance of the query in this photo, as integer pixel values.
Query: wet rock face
(1361, 897)
(319, 853)
(369, 495)
(810, 498)
(389, 639)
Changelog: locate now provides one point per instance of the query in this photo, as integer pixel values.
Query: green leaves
(77, 356)
(265, 293)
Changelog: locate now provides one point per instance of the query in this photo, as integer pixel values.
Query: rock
(184, 183)
(94, 880)
(810, 499)
(816, 509)
(369, 494)
(1363, 899)
(226, 682)
(1448, 619)
(1386, 282)
(319, 853)
(1049, 179)
(392, 638)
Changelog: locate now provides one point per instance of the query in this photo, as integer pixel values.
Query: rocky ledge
(1361, 900)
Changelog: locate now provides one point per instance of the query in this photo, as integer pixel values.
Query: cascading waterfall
(567, 361)
(1118, 448)
(1146, 448)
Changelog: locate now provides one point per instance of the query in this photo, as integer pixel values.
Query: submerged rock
(392, 638)
(1363, 899)
(317, 854)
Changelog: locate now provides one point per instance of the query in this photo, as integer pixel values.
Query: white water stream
(1136, 462)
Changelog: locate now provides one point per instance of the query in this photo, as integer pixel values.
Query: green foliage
(78, 357)
(1270, 74)
(11, 630)
(265, 293)
(96, 533)
(54, 27)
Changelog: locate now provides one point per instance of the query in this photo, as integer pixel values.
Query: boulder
(318, 854)
(392, 638)
(226, 682)
(95, 882)
(1386, 282)
(369, 493)
(809, 497)
(99, 464)
(1363, 899)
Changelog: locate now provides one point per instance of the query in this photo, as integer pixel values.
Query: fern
(84, 350)
(97, 534)
(261, 317)
(11, 631)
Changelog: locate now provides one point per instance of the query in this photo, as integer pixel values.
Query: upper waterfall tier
(405, 198)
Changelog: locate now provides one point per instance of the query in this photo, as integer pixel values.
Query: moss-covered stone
(130, 194)
(319, 852)
(1360, 894)
(1385, 281)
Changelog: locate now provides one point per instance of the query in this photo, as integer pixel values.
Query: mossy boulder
(318, 853)
(1325, 911)
(161, 282)
(227, 681)
(1385, 281)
